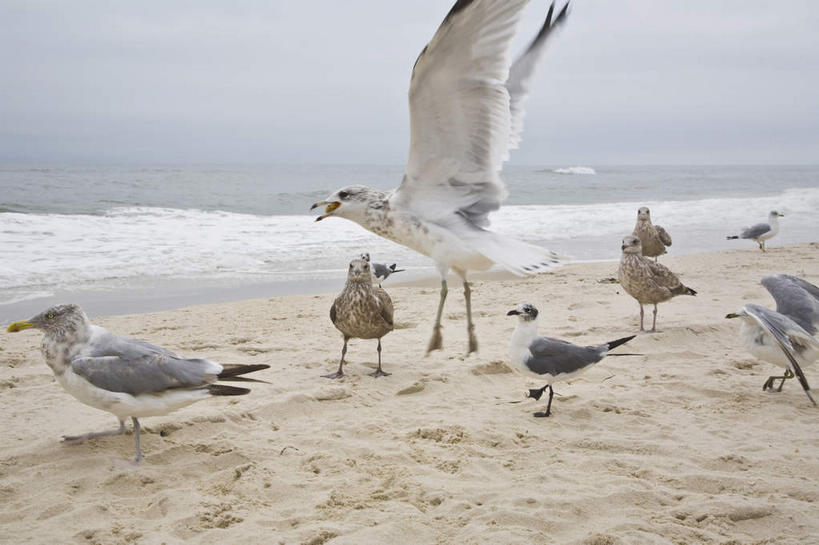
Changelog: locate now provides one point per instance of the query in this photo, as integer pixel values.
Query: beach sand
(679, 445)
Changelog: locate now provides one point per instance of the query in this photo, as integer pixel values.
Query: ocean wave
(129, 246)
(575, 170)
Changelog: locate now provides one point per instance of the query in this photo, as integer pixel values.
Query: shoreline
(173, 294)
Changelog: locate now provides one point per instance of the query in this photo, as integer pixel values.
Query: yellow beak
(732, 315)
(331, 205)
(19, 326)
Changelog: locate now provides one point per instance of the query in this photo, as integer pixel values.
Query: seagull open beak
(513, 312)
(19, 326)
(331, 205)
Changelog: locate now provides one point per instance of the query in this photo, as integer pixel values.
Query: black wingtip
(689, 291)
(549, 24)
(732, 238)
(230, 371)
(222, 390)
(614, 344)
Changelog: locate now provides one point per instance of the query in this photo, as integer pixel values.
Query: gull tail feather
(518, 257)
(734, 237)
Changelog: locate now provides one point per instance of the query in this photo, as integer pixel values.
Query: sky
(325, 82)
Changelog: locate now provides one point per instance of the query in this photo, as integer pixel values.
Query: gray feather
(557, 357)
(755, 231)
(796, 299)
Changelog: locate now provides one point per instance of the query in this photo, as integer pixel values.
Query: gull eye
(50, 315)
(343, 195)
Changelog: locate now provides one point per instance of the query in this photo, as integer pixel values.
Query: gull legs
(769, 383)
(641, 317)
(436, 341)
(536, 394)
(77, 439)
(470, 327)
(136, 439)
(654, 321)
(379, 372)
(340, 373)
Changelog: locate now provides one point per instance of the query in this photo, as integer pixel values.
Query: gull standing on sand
(126, 377)
(466, 113)
(647, 281)
(382, 271)
(553, 359)
(361, 311)
(761, 231)
(653, 237)
(785, 337)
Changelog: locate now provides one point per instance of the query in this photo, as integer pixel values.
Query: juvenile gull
(466, 113)
(361, 311)
(382, 271)
(647, 281)
(785, 337)
(553, 359)
(653, 237)
(126, 377)
(761, 231)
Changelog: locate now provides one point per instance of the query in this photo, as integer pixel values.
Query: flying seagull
(653, 237)
(647, 281)
(761, 231)
(553, 359)
(785, 337)
(361, 311)
(126, 377)
(382, 271)
(466, 113)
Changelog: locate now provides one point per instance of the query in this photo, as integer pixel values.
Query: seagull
(126, 377)
(653, 237)
(382, 271)
(647, 281)
(761, 231)
(785, 337)
(361, 311)
(466, 113)
(554, 359)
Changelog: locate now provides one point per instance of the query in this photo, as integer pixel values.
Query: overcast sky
(286, 81)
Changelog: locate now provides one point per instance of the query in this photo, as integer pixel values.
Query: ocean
(122, 239)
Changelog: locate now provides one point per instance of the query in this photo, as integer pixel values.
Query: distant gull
(647, 281)
(361, 311)
(653, 237)
(126, 377)
(382, 271)
(785, 337)
(466, 113)
(552, 359)
(761, 231)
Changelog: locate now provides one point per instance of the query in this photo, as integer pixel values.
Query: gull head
(632, 245)
(774, 214)
(349, 202)
(644, 214)
(360, 272)
(525, 312)
(57, 319)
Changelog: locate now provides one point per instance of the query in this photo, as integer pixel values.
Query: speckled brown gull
(647, 281)
(654, 238)
(466, 113)
(361, 311)
(125, 377)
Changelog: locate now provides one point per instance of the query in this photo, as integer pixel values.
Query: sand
(679, 445)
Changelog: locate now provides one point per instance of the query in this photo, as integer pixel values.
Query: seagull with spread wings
(466, 114)
(787, 336)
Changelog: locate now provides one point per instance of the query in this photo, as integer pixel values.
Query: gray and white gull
(381, 271)
(761, 232)
(787, 336)
(466, 113)
(125, 377)
(551, 359)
